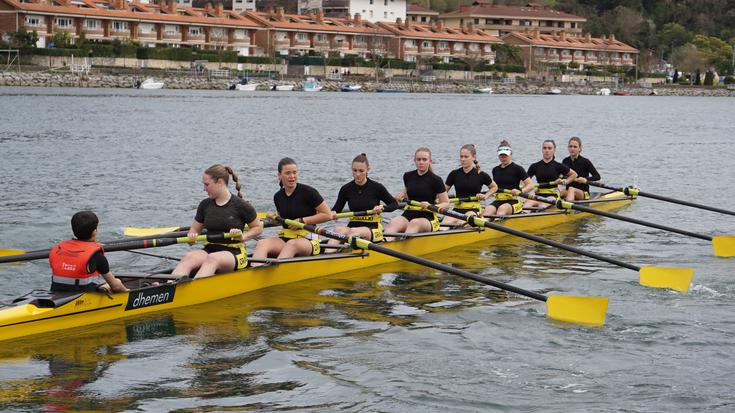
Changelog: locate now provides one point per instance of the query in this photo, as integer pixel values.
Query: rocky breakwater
(55, 79)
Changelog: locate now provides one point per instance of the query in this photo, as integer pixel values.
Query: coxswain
(363, 194)
(298, 202)
(508, 176)
(80, 264)
(424, 186)
(549, 174)
(468, 181)
(579, 189)
(220, 212)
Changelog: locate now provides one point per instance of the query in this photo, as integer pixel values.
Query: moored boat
(42, 311)
(350, 88)
(554, 91)
(603, 92)
(150, 83)
(283, 88)
(483, 90)
(311, 85)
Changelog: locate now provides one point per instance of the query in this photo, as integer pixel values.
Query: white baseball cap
(504, 150)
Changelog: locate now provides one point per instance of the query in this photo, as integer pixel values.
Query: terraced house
(413, 42)
(541, 51)
(499, 19)
(149, 24)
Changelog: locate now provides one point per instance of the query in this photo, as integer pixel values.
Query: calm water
(394, 338)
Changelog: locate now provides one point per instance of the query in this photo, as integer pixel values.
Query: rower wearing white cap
(510, 176)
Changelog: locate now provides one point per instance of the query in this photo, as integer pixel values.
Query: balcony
(147, 35)
(173, 36)
(196, 38)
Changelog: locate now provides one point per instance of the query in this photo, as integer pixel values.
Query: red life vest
(69, 258)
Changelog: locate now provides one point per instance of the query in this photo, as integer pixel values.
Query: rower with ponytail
(220, 212)
(508, 176)
(468, 181)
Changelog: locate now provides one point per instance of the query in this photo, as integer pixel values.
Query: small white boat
(554, 91)
(150, 83)
(350, 88)
(603, 92)
(312, 85)
(483, 90)
(282, 88)
(246, 86)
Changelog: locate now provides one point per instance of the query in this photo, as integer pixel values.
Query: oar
(124, 246)
(677, 279)
(631, 191)
(349, 214)
(142, 232)
(463, 199)
(573, 309)
(5, 252)
(723, 245)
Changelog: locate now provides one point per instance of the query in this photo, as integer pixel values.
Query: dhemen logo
(151, 296)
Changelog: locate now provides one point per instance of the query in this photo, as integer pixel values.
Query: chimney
(406, 24)
(319, 15)
(279, 13)
(439, 26)
(120, 4)
(208, 8)
(470, 28)
(399, 22)
(218, 9)
(536, 34)
(358, 20)
(562, 36)
(612, 37)
(588, 37)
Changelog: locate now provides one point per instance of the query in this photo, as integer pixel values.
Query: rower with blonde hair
(468, 181)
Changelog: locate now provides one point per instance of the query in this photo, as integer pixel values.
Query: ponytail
(219, 171)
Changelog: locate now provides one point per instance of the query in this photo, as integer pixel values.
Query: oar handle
(359, 243)
(457, 200)
(561, 204)
(349, 214)
(480, 222)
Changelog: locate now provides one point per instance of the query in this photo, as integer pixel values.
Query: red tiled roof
(414, 8)
(137, 11)
(424, 31)
(573, 42)
(311, 23)
(522, 12)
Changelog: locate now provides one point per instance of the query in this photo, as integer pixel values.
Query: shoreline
(521, 87)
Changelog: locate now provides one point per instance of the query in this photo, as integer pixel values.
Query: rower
(468, 181)
(298, 202)
(424, 186)
(508, 176)
(549, 174)
(80, 264)
(220, 212)
(579, 189)
(362, 194)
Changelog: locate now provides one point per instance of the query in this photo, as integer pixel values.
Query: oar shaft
(483, 222)
(634, 192)
(568, 205)
(360, 243)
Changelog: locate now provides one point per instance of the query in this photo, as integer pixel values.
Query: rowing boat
(41, 311)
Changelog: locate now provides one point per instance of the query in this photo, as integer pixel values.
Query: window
(477, 21)
(410, 43)
(626, 56)
(423, 19)
(497, 21)
(302, 36)
(217, 33)
(385, 14)
(426, 44)
(488, 48)
(474, 47)
(458, 47)
(146, 28)
(64, 23)
(549, 23)
(92, 24)
(442, 45)
(196, 31)
(171, 30)
(574, 25)
(359, 39)
(410, 58)
(578, 53)
(385, 2)
(119, 26)
(239, 34)
(560, 24)
(34, 21)
(371, 2)
(321, 38)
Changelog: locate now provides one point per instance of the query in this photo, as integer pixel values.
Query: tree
(61, 39)
(717, 52)
(508, 54)
(24, 38)
(689, 59)
(673, 35)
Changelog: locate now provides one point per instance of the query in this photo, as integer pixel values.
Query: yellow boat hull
(92, 308)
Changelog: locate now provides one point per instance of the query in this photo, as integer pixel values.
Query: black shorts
(210, 248)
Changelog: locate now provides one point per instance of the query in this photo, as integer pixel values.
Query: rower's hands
(424, 205)
(236, 234)
(192, 236)
(334, 215)
(378, 209)
(271, 215)
(481, 197)
(515, 192)
(559, 181)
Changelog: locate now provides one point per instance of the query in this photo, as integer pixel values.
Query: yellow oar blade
(580, 310)
(678, 279)
(724, 245)
(4, 252)
(144, 232)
